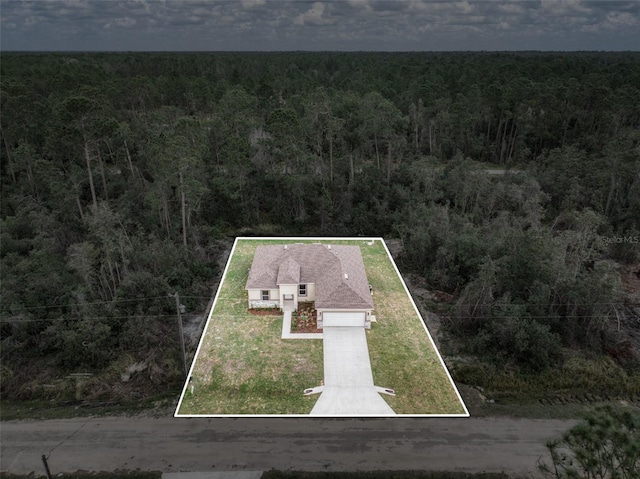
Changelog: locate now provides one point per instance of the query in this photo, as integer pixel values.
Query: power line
(67, 438)
(129, 316)
(85, 304)
(19, 309)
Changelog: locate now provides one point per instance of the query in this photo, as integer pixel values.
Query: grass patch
(599, 378)
(244, 367)
(46, 409)
(402, 356)
(274, 474)
(137, 474)
(381, 475)
(536, 410)
(564, 392)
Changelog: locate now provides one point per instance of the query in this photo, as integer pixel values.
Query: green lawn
(244, 367)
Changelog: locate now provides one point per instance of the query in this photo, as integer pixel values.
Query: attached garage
(344, 318)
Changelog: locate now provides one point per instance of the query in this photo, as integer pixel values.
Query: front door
(288, 302)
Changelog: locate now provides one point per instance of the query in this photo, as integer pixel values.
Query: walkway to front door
(286, 325)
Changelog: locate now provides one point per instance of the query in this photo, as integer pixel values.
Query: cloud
(313, 16)
(32, 20)
(359, 5)
(620, 21)
(511, 8)
(565, 7)
(429, 6)
(389, 5)
(465, 7)
(252, 3)
(347, 24)
(125, 22)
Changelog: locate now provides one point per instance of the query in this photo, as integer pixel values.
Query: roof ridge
(354, 291)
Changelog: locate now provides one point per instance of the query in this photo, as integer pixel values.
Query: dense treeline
(120, 172)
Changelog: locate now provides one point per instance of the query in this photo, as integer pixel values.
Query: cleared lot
(243, 366)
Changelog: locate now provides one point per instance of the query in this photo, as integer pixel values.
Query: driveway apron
(348, 380)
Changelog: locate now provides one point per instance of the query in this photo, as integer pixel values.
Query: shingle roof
(288, 272)
(338, 273)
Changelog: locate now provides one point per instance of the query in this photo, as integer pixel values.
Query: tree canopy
(121, 173)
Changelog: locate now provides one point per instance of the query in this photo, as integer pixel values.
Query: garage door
(343, 319)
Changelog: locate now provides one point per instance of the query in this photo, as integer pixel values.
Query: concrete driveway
(348, 381)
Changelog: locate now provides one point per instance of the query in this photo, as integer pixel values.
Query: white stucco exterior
(277, 297)
(256, 299)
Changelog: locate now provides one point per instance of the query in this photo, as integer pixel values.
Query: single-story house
(332, 276)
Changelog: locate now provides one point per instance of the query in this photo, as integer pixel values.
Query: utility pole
(46, 466)
(179, 310)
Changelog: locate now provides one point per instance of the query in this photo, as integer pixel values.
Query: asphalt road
(191, 444)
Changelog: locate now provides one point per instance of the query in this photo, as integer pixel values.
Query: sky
(331, 25)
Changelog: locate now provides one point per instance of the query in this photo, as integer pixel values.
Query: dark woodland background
(126, 176)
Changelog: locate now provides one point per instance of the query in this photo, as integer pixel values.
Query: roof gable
(288, 271)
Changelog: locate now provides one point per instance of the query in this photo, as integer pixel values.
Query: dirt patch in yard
(266, 312)
(305, 320)
(306, 329)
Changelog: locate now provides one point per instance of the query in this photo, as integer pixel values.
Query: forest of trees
(121, 173)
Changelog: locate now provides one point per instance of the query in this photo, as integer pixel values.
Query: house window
(302, 290)
(265, 295)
